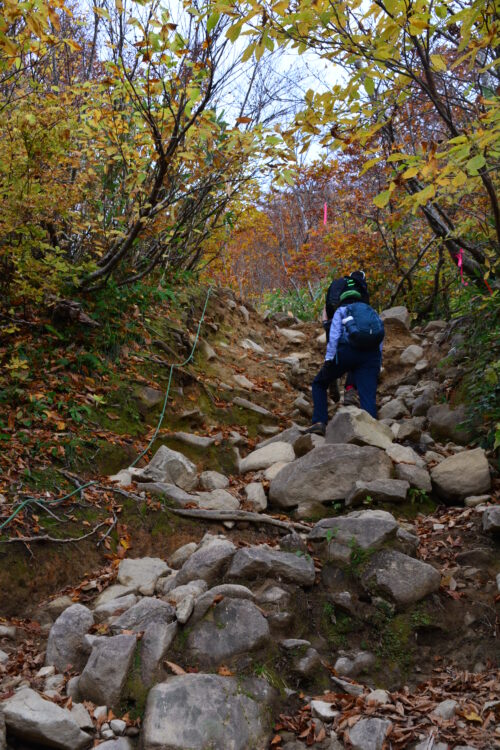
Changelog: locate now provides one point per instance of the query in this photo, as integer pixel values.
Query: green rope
(56, 501)
(172, 368)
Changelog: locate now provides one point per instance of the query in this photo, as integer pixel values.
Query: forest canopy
(138, 139)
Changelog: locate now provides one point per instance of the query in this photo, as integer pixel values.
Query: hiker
(332, 302)
(354, 345)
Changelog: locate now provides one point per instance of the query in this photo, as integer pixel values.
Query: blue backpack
(365, 329)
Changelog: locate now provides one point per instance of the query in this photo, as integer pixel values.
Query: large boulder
(65, 646)
(147, 611)
(207, 563)
(411, 355)
(393, 409)
(264, 457)
(155, 644)
(260, 562)
(235, 626)
(398, 313)
(379, 491)
(33, 719)
(106, 671)
(327, 473)
(353, 425)
(403, 579)
(142, 573)
(200, 711)
(367, 529)
(448, 424)
(171, 467)
(229, 590)
(416, 476)
(466, 473)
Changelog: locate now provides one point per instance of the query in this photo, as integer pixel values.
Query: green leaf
(369, 86)
(212, 22)
(382, 199)
(475, 163)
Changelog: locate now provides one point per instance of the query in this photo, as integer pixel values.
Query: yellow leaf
(472, 716)
(439, 62)
(411, 172)
(61, 425)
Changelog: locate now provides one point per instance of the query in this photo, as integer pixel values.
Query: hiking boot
(351, 397)
(318, 428)
(334, 391)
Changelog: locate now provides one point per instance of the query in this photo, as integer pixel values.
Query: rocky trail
(279, 590)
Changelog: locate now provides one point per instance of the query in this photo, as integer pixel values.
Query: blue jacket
(338, 334)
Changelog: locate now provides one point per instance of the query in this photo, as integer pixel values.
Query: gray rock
(306, 443)
(256, 496)
(447, 424)
(466, 473)
(105, 673)
(353, 425)
(368, 734)
(474, 500)
(147, 611)
(245, 404)
(149, 397)
(380, 491)
(142, 573)
(274, 470)
(217, 500)
(293, 542)
(179, 557)
(57, 606)
(120, 743)
(354, 665)
(65, 644)
(257, 562)
(244, 382)
(327, 474)
(399, 313)
(378, 696)
(230, 590)
(118, 726)
(197, 441)
(213, 480)
(208, 562)
(72, 688)
(491, 519)
(171, 467)
(8, 631)
(323, 710)
(264, 457)
(111, 593)
(411, 429)
(430, 742)
(192, 589)
(171, 492)
(198, 711)
(402, 454)
(236, 627)
(289, 435)
(416, 476)
(411, 355)
(114, 607)
(393, 409)
(249, 344)
(184, 609)
(308, 665)
(368, 529)
(155, 644)
(446, 709)
(82, 717)
(30, 717)
(347, 687)
(402, 578)
(3, 740)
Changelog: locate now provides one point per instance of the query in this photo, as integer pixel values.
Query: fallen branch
(238, 515)
(47, 538)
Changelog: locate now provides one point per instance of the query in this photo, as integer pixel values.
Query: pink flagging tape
(324, 214)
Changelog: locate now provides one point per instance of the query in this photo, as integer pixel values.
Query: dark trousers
(365, 367)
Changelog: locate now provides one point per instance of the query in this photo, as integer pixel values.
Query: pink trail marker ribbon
(460, 264)
(324, 214)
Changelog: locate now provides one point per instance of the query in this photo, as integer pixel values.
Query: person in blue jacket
(342, 357)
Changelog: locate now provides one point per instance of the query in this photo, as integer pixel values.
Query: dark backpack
(365, 329)
(332, 302)
(338, 287)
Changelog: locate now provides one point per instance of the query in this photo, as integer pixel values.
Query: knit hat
(351, 292)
